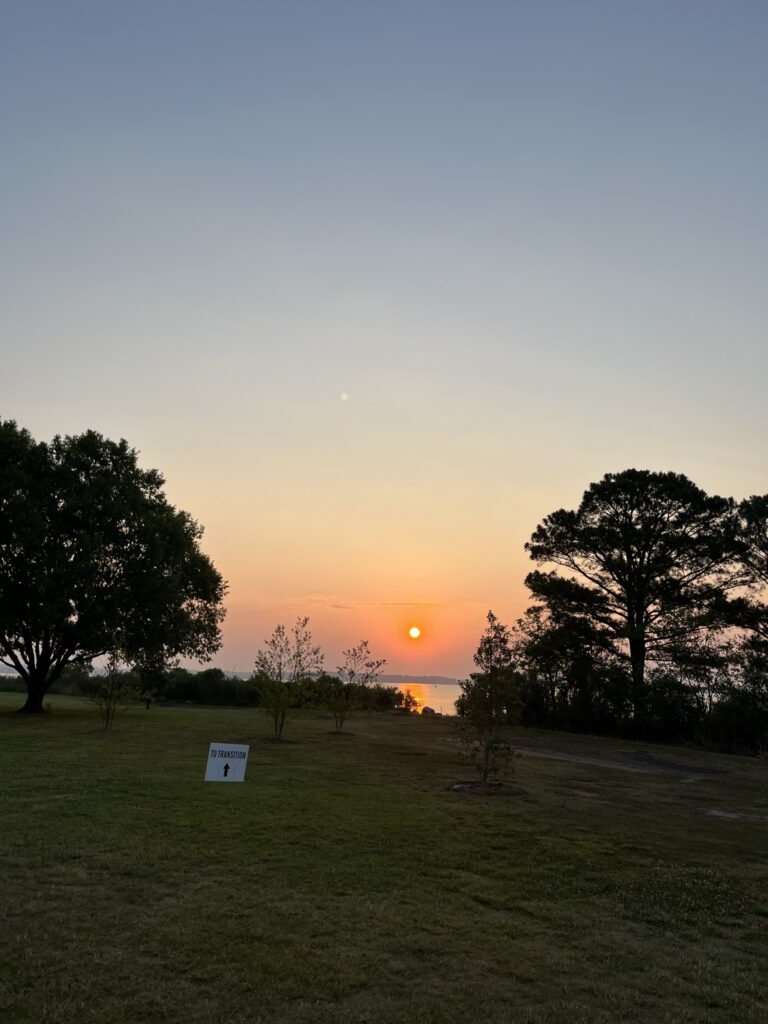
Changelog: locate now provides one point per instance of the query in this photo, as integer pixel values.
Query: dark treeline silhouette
(212, 686)
(568, 683)
(651, 625)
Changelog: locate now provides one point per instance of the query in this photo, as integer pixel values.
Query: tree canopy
(652, 561)
(95, 560)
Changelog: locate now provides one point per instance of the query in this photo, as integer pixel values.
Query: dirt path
(593, 761)
(638, 761)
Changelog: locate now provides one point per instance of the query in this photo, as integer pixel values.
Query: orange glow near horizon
(344, 358)
(450, 630)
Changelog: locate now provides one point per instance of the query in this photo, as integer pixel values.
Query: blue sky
(527, 240)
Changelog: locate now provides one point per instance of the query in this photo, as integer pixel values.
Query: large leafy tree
(652, 562)
(94, 560)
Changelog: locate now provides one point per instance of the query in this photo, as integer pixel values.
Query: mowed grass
(344, 882)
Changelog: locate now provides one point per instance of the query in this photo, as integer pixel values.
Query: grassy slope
(343, 882)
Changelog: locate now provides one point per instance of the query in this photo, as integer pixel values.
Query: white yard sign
(226, 762)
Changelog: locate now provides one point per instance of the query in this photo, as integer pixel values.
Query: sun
(414, 632)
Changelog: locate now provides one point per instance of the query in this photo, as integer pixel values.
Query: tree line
(121, 687)
(288, 675)
(648, 619)
(648, 616)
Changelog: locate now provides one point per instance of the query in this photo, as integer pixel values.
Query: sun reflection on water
(440, 697)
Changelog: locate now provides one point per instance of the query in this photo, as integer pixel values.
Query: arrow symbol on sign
(226, 770)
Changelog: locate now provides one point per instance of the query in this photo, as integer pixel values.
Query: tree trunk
(34, 701)
(637, 661)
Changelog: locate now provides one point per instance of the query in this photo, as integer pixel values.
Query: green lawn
(345, 882)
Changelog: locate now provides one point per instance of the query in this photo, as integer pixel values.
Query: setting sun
(414, 632)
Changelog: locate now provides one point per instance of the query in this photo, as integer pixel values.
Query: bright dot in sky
(344, 396)
(414, 632)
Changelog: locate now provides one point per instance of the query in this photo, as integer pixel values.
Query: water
(441, 697)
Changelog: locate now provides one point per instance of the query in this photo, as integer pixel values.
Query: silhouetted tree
(754, 518)
(489, 700)
(358, 671)
(152, 671)
(754, 513)
(652, 558)
(740, 716)
(409, 702)
(93, 560)
(571, 677)
(285, 662)
(111, 691)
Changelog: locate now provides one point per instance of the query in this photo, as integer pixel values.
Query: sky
(377, 286)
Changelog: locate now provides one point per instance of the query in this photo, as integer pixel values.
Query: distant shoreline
(389, 678)
(427, 680)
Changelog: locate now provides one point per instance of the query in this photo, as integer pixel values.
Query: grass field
(345, 882)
